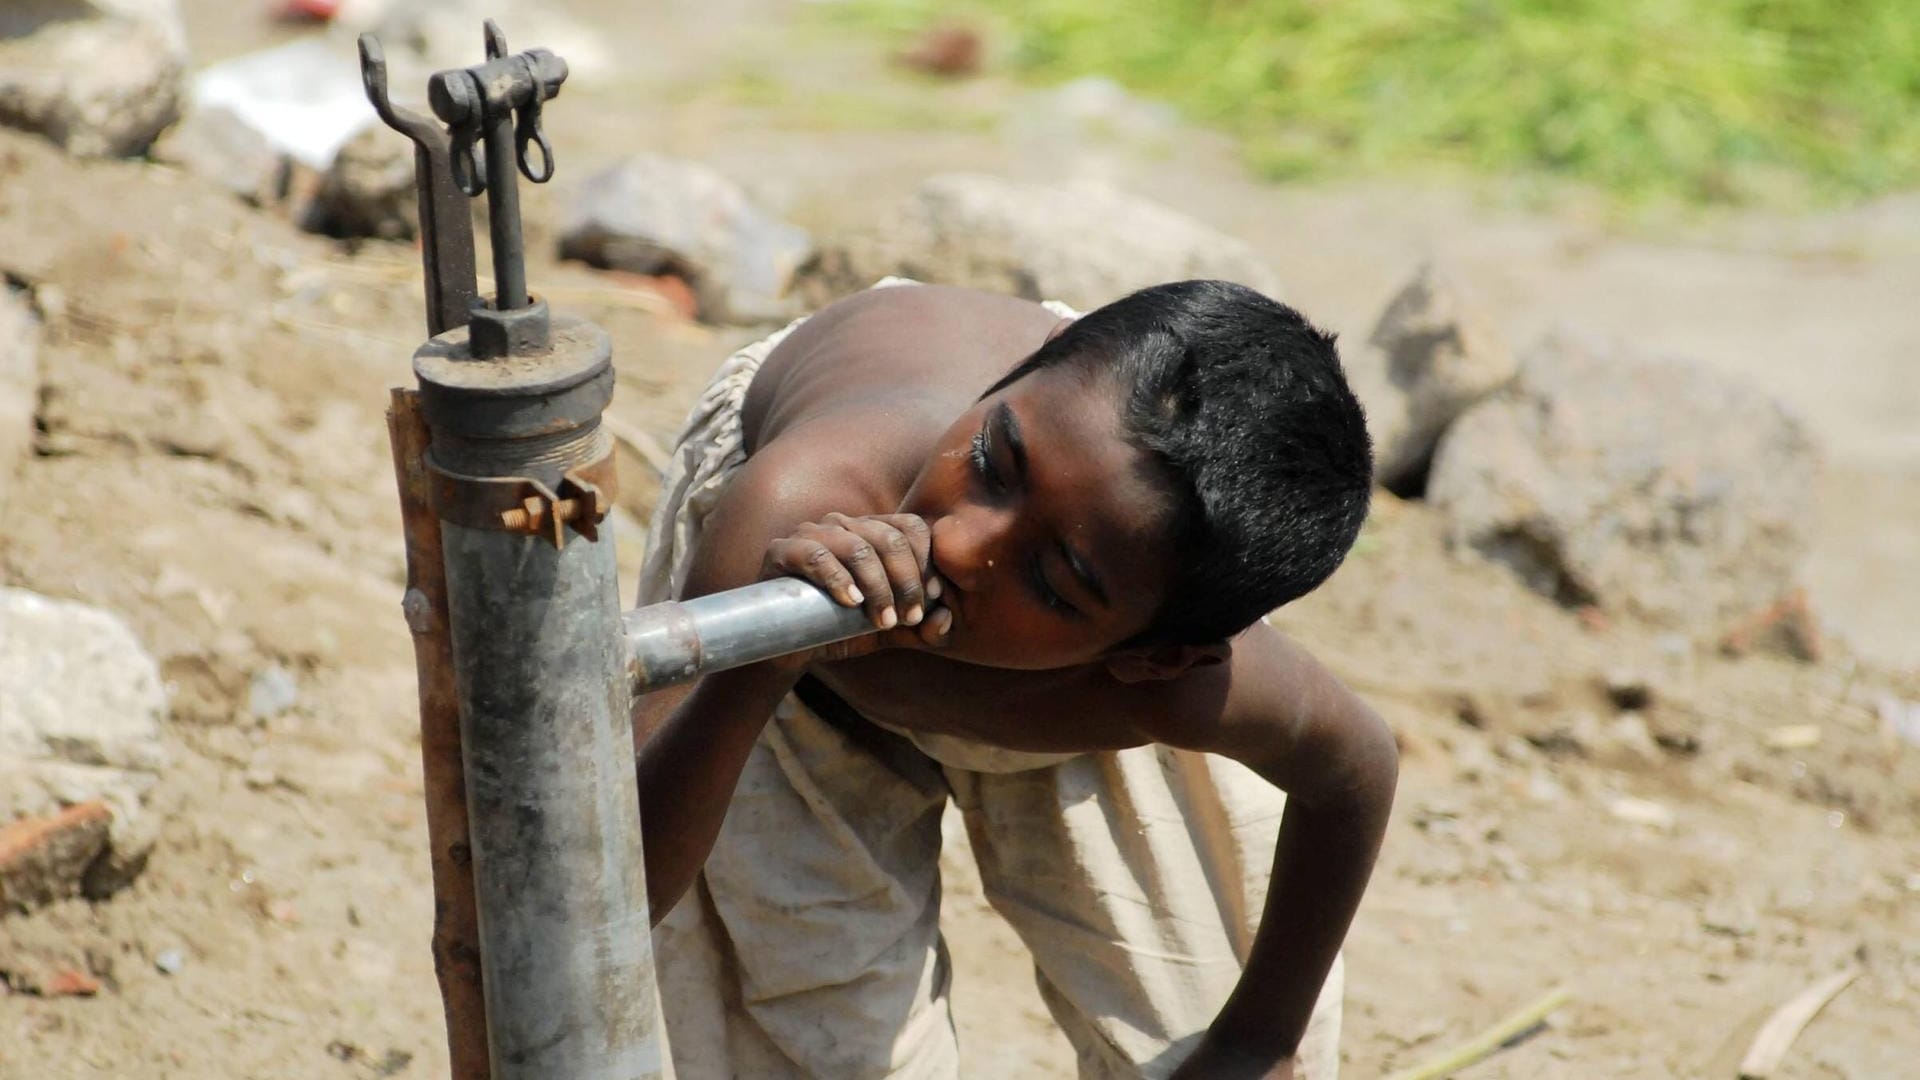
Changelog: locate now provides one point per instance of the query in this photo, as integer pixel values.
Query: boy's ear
(1059, 327)
(1165, 661)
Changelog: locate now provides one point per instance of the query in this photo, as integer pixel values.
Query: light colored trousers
(810, 944)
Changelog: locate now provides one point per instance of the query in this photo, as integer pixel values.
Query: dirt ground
(213, 465)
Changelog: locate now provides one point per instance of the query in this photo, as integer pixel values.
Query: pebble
(1793, 736)
(72, 983)
(272, 691)
(1628, 689)
(170, 961)
(1902, 718)
(1641, 812)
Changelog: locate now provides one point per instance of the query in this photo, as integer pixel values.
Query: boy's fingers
(919, 535)
(902, 565)
(938, 624)
(814, 561)
(869, 573)
(894, 553)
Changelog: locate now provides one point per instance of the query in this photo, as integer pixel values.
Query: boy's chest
(1044, 712)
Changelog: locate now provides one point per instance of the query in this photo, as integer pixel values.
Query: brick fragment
(45, 859)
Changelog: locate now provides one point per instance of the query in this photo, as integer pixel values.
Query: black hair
(1242, 405)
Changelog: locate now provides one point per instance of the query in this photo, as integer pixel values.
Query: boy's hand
(879, 563)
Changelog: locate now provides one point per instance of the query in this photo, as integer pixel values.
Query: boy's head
(1203, 442)
(1242, 404)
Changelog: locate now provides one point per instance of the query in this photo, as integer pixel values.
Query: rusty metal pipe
(680, 640)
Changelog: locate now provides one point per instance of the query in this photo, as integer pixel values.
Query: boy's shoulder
(909, 319)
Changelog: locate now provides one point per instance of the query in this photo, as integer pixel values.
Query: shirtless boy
(1067, 532)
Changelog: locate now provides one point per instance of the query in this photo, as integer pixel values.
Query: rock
(219, 145)
(75, 686)
(170, 961)
(1625, 740)
(1085, 245)
(19, 18)
(1786, 626)
(1433, 354)
(1900, 719)
(1627, 689)
(1573, 734)
(44, 859)
(1792, 736)
(272, 691)
(431, 35)
(652, 214)
(1643, 812)
(369, 189)
(100, 80)
(80, 711)
(304, 97)
(1676, 731)
(19, 383)
(1604, 477)
(72, 982)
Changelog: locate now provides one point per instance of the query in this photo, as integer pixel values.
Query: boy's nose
(967, 546)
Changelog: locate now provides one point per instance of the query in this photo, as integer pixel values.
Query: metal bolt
(527, 516)
(453, 97)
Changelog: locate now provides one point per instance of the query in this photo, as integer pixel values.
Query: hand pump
(526, 664)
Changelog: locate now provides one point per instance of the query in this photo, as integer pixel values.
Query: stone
(19, 383)
(652, 215)
(1644, 812)
(99, 79)
(1900, 719)
(72, 982)
(369, 189)
(1606, 477)
(1082, 244)
(81, 706)
(1433, 354)
(303, 96)
(219, 145)
(43, 859)
(1786, 626)
(19, 18)
(432, 35)
(272, 691)
(1627, 689)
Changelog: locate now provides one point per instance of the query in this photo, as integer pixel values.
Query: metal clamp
(520, 504)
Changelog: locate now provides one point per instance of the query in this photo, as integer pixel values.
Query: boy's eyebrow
(1016, 444)
(1084, 571)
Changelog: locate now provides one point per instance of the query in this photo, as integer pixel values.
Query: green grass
(1744, 101)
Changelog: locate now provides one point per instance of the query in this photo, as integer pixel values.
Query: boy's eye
(983, 463)
(1047, 594)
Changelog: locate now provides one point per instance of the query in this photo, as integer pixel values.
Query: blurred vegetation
(1748, 101)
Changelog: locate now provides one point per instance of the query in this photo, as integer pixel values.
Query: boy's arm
(691, 743)
(1289, 719)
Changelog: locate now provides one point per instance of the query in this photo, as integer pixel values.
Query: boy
(1068, 580)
